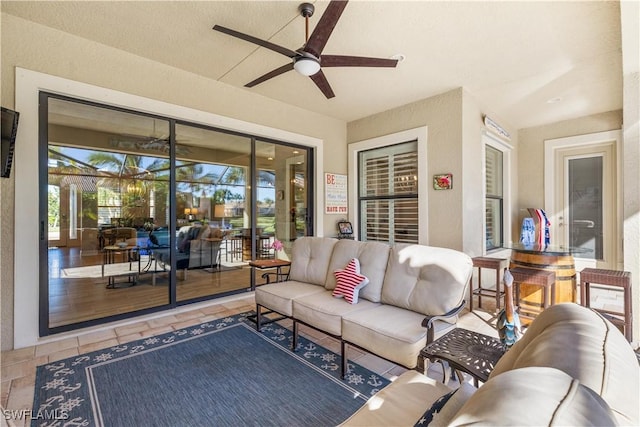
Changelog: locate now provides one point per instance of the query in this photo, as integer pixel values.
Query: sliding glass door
(213, 206)
(144, 213)
(106, 194)
(282, 205)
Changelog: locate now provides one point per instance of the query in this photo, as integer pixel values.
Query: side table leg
(422, 368)
(446, 372)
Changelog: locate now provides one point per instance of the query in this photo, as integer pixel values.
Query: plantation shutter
(389, 194)
(493, 204)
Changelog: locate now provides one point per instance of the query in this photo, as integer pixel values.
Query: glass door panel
(586, 205)
(585, 196)
(57, 215)
(212, 200)
(124, 239)
(107, 204)
(282, 202)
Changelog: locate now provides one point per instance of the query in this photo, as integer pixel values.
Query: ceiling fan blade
(321, 81)
(323, 30)
(356, 61)
(271, 74)
(268, 45)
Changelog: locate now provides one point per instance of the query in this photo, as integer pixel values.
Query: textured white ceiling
(511, 56)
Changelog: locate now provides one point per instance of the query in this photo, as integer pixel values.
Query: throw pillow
(427, 417)
(349, 282)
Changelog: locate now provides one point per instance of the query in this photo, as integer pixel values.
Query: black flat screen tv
(8, 129)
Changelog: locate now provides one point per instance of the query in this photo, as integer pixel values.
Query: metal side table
(465, 351)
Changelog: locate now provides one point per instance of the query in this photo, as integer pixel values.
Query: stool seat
(613, 278)
(530, 276)
(498, 264)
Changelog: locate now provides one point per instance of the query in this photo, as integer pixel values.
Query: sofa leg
(345, 361)
(294, 344)
(258, 317)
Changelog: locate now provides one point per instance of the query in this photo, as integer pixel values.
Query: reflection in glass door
(212, 200)
(57, 215)
(145, 213)
(107, 212)
(282, 202)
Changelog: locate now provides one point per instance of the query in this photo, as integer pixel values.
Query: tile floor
(18, 367)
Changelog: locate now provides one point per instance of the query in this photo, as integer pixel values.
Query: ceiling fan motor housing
(306, 10)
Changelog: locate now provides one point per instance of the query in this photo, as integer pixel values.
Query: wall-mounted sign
(443, 181)
(335, 194)
(496, 128)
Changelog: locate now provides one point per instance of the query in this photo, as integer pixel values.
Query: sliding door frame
(173, 302)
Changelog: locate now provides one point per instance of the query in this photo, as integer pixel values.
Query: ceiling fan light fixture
(306, 66)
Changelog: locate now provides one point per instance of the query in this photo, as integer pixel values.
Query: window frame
(420, 135)
(389, 195)
(493, 141)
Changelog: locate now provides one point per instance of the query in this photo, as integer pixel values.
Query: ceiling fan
(309, 60)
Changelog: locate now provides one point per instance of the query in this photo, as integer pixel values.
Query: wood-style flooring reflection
(82, 299)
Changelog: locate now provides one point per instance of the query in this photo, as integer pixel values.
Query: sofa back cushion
(310, 259)
(373, 258)
(580, 342)
(534, 397)
(426, 279)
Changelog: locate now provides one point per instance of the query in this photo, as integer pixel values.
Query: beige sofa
(414, 292)
(193, 250)
(572, 367)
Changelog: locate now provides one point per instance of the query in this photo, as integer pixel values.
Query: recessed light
(399, 56)
(554, 100)
(295, 152)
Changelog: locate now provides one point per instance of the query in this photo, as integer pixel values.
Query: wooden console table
(264, 264)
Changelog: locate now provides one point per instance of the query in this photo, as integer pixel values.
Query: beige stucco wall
(454, 122)
(531, 152)
(442, 115)
(42, 49)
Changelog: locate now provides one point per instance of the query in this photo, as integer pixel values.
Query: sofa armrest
(429, 320)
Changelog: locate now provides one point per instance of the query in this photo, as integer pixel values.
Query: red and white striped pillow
(350, 281)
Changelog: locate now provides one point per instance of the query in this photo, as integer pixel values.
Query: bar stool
(497, 264)
(542, 278)
(621, 279)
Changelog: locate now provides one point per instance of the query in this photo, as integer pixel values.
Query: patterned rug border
(58, 388)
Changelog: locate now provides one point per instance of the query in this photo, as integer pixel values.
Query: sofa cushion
(534, 397)
(373, 257)
(451, 407)
(279, 296)
(587, 347)
(401, 403)
(432, 411)
(323, 311)
(390, 332)
(426, 279)
(310, 259)
(349, 282)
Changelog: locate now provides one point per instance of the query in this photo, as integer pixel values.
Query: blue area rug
(220, 373)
